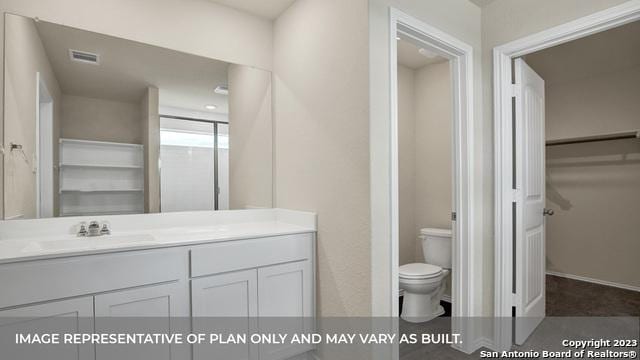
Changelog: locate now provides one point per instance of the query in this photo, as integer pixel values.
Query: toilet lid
(419, 270)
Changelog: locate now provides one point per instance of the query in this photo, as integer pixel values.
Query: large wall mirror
(98, 125)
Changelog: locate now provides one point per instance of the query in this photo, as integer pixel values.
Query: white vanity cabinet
(276, 295)
(285, 304)
(231, 295)
(72, 315)
(177, 289)
(161, 308)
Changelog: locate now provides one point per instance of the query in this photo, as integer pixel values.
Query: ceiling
(269, 9)
(127, 68)
(482, 3)
(409, 56)
(609, 51)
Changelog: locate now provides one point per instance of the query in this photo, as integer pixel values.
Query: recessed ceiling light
(222, 90)
(210, 107)
(427, 53)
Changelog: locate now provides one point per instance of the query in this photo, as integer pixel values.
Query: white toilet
(423, 284)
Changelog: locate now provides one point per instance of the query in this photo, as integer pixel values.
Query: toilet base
(421, 319)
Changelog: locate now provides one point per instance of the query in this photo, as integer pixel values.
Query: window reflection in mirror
(98, 125)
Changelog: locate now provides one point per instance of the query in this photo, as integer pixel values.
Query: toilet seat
(419, 271)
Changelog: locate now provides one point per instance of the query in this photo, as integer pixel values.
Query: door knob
(547, 212)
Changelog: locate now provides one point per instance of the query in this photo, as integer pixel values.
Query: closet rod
(587, 139)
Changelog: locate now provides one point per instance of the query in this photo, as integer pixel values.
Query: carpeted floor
(567, 297)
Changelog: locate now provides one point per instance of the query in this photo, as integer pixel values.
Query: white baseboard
(445, 298)
(484, 342)
(595, 281)
(311, 355)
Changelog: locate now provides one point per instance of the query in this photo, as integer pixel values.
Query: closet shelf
(99, 190)
(104, 166)
(632, 134)
(98, 143)
(106, 212)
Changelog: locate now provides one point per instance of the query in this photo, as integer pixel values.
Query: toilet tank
(436, 246)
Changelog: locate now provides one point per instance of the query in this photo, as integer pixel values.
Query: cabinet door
(67, 316)
(285, 296)
(159, 308)
(226, 304)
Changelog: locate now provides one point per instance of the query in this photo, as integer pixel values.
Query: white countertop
(22, 240)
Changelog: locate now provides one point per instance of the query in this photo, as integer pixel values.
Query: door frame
(44, 129)
(465, 300)
(503, 91)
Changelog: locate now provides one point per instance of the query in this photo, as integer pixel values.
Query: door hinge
(454, 216)
(514, 88)
(515, 195)
(514, 299)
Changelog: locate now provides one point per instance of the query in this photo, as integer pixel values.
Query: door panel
(530, 233)
(153, 309)
(67, 316)
(226, 303)
(285, 305)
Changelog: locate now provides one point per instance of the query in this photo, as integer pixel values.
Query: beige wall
(461, 19)
(100, 120)
(504, 21)
(25, 57)
(150, 130)
(434, 119)
(424, 148)
(594, 188)
(407, 164)
(599, 104)
(425, 158)
(250, 138)
(322, 141)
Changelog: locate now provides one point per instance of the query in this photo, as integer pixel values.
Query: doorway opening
(567, 145)
(455, 217)
(44, 150)
(425, 179)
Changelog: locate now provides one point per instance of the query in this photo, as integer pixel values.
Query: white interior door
(530, 232)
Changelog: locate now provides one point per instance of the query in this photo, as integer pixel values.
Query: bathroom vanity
(250, 264)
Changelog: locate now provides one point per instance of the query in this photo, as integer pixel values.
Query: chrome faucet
(94, 229)
(82, 231)
(105, 229)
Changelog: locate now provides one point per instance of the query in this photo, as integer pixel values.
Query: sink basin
(88, 243)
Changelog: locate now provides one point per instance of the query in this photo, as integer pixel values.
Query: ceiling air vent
(85, 57)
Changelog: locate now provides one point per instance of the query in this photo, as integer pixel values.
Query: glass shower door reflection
(188, 160)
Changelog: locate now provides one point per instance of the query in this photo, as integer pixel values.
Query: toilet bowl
(424, 283)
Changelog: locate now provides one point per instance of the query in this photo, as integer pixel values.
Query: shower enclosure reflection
(194, 164)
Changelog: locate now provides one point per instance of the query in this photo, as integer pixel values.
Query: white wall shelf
(99, 190)
(101, 166)
(97, 143)
(632, 134)
(100, 178)
(90, 213)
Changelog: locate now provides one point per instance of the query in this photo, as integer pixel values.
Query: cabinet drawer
(43, 280)
(246, 254)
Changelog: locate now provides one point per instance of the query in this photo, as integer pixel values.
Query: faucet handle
(105, 229)
(82, 231)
